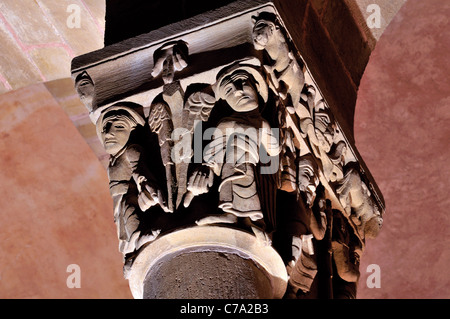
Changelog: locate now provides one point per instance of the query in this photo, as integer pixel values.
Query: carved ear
(273, 27)
(277, 23)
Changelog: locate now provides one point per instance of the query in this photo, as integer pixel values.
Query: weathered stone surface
(50, 61)
(319, 5)
(351, 45)
(207, 275)
(85, 38)
(28, 22)
(15, 65)
(409, 156)
(34, 35)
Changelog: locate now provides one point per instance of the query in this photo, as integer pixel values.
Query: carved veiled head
(115, 125)
(85, 89)
(240, 86)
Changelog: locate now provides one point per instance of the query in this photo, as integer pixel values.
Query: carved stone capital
(222, 146)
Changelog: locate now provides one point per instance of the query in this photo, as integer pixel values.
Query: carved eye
(228, 90)
(107, 127)
(84, 83)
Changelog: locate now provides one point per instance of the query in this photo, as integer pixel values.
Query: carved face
(85, 89)
(168, 70)
(262, 31)
(239, 91)
(116, 132)
(307, 179)
(324, 130)
(373, 227)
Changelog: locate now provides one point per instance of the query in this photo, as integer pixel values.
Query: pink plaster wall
(402, 131)
(53, 212)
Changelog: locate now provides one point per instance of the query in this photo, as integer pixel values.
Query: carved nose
(238, 93)
(238, 85)
(109, 133)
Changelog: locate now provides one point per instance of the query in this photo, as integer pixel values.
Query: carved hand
(150, 196)
(199, 183)
(173, 54)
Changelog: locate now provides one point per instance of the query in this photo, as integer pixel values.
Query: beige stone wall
(38, 44)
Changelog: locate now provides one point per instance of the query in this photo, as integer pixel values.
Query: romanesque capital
(230, 175)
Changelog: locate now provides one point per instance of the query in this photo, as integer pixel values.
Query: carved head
(168, 59)
(307, 177)
(266, 26)
(115, 126)
(240, 86)
(373, 226)
(324, 126)
(85, 89)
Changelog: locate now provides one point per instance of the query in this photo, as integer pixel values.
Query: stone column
(230, 174)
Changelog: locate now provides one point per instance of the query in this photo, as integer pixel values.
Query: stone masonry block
(15, 66)
(319, 5)
(53, 61)
(345, 33)
(28, 21)
(85, 38)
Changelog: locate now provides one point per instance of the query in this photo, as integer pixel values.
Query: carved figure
(356, 199)
(330, 151)
(286, 75)
(235, 149)
(198, 107)
(288, 82)
(125, 170)
(312, 224)
(86, 91)
(308, 178)
(303, 269)
(346, 249)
